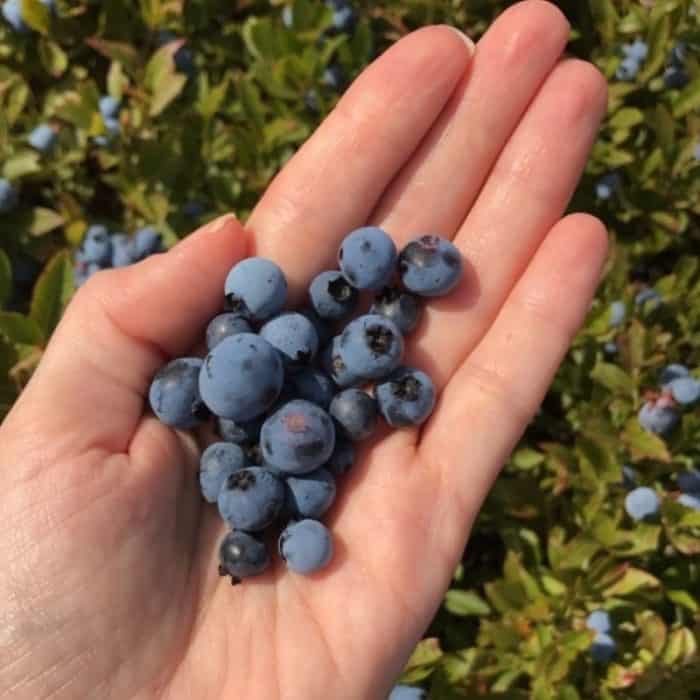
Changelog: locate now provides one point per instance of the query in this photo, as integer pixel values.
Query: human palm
(110, 588)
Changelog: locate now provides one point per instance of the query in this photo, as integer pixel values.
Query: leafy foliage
(208, 117)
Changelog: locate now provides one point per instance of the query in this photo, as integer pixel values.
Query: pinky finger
(501, 384)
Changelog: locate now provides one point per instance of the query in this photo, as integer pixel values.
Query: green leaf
(5, 278)
(44, 220)
(613, 378)
(659, 39)
(626, 118)
(688, 100)
(643, 444)
(162, 79)
(465, 603)
(21, 164)
(36, 15)
(20, 329)
(684, 599)
(53, 58)
(117, 81)
(125, 54)
(633, 581)
(52, 292)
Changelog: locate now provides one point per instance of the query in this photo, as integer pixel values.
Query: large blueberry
(96, 246)
(310, 495)
(251, 498)
(298, 438)
(430, 266)
(355, 414)
(312, 385)
(257, 288)
(224, 325)
(406, 398)
(402, 308)
(241, 377)
(335, 367)
(242, 555)
(332, 297)
(367, 258)
(306, 546)
(174, 394)
(371, 346)
(294, 336)
(642, 503)
(122, 252)
(217, 463)
(658, 417)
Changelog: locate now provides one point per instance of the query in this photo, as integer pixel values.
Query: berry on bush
(642, 503)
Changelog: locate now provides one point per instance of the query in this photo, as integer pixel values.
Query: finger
(527, 191)
(121, 326)
(501, 384)
(510, 64)
(335, 180)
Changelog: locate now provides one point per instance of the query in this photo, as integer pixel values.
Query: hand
(109, 585)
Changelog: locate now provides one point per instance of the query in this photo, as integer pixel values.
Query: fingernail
(219, 223)
(464, 38)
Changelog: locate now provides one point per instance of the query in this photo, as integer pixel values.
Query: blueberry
(42, 138)
(288, 16)
(628, 69)
(311, 101)
(355, 414)
(678, 54)
(685, 390)
(83, 271)
(367, 258)
(344, 17)
(96, 246)
(225, 325)
(334, 366)
(671, 372)
(610, 348)
(240, 432)
(218, 462)
(676, 78)
(342, 459)
(689, 500)
(402, 308)
(241, 377)
(642, 503)
(603, 648)
(430, 266)
(174, 395)
(406, 398)
(599, 621)
(12, 12)
(251, 498)
(9, 196)
(147, 241)
(618, 312)
(333, 77)
(306, 546)
(607, 186)
(312, 385)
(324, 331)
(109, 106)
(113, 127)
(294, 336)
(241, 555)
(310, 495)
(371, 347)
(407, 692)
(689, 482)
(297, 438)
(332, 296)
(257, 288)
(638, 50)
(657, 418)
(122, 254)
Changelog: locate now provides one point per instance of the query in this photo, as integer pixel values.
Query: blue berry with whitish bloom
(147, 241)
(333, 77)
(342, 459)
(174, 394)
(603, 648)
(610, 348)
(83, 271)
(309, 495)
(658, 417)
(689, 481)
(685, 390)
(671, 372)
(242, 555)
(618, 312)
(251, 499)
(42, 138)
(294, 336)
(217, 463)
(109, 106)
(332, 296)
(642, 503)
(355, 414)
(599, 621)
(689, 500)
(12, 12)
(675, 78)
(324, 329)
(297, 438)
(122, 253)
(403, 308)
(9, 196)
(628, 69)
(646, 295)
(430, 266)
(225, 325)
(607, 186)
(306, 546)
(241, 377)
(407, 692)
(335, 367)
(240, 432)
(406, 397)
(371, 347)
(638, 50)
(312, 385)
(344, 17)
(96, 246)
(288, 16)
(256, 288)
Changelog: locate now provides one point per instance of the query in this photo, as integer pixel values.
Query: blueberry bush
(581, 578)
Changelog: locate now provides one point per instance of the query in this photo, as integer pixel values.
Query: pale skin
(109, 585)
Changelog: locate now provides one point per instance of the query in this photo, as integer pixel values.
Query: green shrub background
(553, 541)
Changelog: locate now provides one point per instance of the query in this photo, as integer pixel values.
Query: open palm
(109, 585)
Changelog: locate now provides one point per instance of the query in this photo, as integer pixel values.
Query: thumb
(118, 329)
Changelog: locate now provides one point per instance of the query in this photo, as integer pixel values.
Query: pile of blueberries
(101, 250)
(292, 391)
